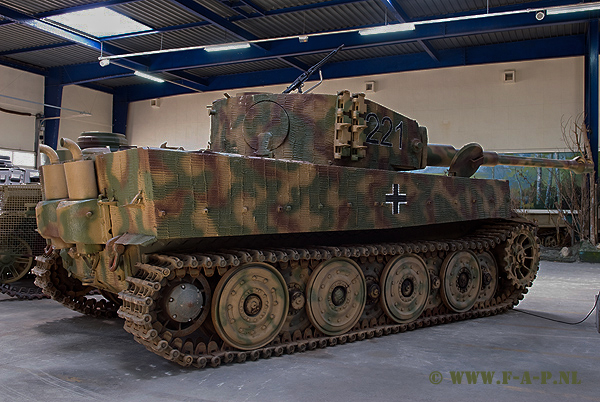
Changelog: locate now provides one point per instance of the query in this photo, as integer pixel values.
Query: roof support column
(53, 91)
(592, 103)
(119, 114)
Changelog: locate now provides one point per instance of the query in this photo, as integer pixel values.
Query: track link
(52, 278)
(139, 300)
(23, 291)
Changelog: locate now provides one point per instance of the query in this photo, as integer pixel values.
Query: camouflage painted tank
(306, 224)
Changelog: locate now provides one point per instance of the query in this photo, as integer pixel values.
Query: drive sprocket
(55, 282)
(522, 256)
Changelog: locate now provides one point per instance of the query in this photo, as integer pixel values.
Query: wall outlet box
(370, 86)
(155, 103)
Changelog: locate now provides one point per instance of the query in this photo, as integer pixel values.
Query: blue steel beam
(100, 88)
(21, 66)
(287, 10)
(312, 6)
(209, 15)
(157, 31)
(120, 109)
(33, 49)
(401, 16)
(52, 96)
(592, 103)
(223, 23)
(507, 52)
(238, 7)
(201, 82)
(90, 73)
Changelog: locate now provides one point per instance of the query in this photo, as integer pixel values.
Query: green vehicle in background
(20, 191)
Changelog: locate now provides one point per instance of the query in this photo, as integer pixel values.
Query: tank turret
(306, 224)
(346, 130)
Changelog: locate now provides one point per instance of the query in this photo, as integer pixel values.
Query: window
(99, 22)
(22, 159)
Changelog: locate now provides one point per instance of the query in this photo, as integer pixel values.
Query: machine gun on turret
(299, 82)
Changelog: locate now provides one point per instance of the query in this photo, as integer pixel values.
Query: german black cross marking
(396, 199)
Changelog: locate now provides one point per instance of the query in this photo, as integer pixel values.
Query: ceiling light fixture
(230, 46)
(407, 26)
(573, 8)
(148, 76)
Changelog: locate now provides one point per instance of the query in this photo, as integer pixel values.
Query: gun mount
(299, 82)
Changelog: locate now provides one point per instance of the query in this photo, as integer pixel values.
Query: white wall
(458, 105)
(18, 132)
(99, 104)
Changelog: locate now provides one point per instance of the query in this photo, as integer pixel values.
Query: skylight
(99, 22)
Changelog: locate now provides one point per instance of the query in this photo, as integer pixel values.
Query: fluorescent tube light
(230, 46)
(573, 8)
(148, 77)
(388, 28)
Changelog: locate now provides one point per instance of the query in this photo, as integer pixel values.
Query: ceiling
(66, 57)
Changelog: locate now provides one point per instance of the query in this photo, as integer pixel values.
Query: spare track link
(144, 288)
(48, 278)
(23, 292)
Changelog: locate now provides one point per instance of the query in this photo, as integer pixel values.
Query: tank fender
(132, 239)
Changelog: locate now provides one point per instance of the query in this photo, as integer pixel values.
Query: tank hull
(189, 195)
(157, 199)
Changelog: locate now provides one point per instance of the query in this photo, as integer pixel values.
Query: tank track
(144, 288)
(23, 291)
(54, 282)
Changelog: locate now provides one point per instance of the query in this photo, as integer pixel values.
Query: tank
(306, 224)
(20, 191)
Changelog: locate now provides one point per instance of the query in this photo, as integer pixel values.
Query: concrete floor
(50, 353)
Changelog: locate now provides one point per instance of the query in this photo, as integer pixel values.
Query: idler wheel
(250, 305)
(336, 294)
(185, 305)
(489, 276)
(461, 280)
(405, 288)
